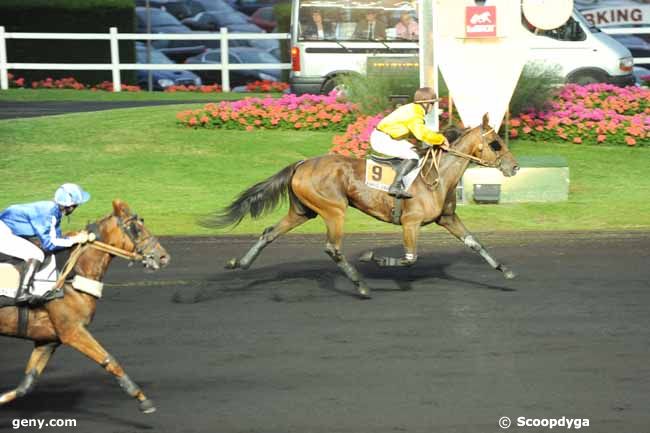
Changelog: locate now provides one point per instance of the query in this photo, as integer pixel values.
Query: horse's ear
(120, 208)
(486, 121)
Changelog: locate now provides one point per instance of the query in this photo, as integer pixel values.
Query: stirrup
(23, 297)
(399, 193)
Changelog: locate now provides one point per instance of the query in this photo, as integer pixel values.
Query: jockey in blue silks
(41, 219)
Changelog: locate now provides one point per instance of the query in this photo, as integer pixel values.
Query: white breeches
(384, 143)
(15, 246)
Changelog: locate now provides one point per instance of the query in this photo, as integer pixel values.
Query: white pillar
(115, 60)
(225, 74)
(428, 63)
(4, 80)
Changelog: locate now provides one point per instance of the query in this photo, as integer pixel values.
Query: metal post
(149, 72)
(4, 79)
(115, 60)
(225, 74)
(428, 65)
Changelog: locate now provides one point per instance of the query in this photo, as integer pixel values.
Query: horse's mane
(453, 132)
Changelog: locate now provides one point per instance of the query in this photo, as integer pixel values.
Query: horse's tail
(256, 201)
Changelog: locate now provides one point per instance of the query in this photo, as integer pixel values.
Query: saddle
(11, 270)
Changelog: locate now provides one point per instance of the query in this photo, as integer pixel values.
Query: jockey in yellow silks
(392, 134)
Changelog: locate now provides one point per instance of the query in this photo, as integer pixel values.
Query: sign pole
(428, 64)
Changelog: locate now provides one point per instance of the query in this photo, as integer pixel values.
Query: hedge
(68, 16)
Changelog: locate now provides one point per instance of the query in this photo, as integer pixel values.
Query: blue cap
(70, 194)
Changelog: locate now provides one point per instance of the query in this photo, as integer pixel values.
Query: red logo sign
(480, 21)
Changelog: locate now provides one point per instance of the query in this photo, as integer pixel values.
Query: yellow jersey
(407, 121)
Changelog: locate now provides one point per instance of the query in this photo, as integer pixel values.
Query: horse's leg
(289, 222)
(457, 228)
(37, 362)
(334, 225)
(80, 339)
(410, 234)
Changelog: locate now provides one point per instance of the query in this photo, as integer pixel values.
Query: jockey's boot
(397, 188)
(23, 296)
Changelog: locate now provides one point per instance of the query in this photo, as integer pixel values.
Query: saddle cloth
(380, 175)
(43, 285)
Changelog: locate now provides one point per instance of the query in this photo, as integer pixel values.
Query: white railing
(115, 66)
(629, 31)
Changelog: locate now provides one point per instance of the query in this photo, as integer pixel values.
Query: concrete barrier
(541, 179)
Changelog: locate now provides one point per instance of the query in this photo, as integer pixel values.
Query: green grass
(34, 95)
(171, 175)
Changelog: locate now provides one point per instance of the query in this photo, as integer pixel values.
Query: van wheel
(330, 85)
(588, 78)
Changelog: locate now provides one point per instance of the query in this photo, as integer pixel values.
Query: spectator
(407, 27)
(317, 29)
(370, 27)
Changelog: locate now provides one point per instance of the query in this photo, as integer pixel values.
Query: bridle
(434, 154)
(482, 146)
(129, 228)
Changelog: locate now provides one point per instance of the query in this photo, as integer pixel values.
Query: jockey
(41, 219)
(391, 137)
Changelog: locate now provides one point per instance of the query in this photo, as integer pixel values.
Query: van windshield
(344, 20)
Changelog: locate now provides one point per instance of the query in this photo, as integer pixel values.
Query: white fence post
(225, 73)
(4, 80)
(115, 60)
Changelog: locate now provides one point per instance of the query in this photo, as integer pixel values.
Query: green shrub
(535, 87)
(376, 94)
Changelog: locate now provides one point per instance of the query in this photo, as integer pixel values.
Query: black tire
(329, 85)
(588, 77)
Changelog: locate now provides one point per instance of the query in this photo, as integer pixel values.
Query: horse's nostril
(515, 168)
(164, 260)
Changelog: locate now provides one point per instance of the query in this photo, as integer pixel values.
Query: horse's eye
(495, 145)
(134, 230)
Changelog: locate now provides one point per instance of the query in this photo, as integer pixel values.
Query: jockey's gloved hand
(80, 238)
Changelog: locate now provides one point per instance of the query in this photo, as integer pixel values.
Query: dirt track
(447, 346)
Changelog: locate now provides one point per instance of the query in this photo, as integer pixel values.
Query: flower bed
(305, 112)
(214, 88)
(72, 83)
(356, 140)
(594, 113)
(267, 86)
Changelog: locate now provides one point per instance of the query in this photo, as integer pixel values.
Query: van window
(342, 20)
(570, 31)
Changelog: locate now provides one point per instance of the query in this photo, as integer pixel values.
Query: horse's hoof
(146, 406)
(7, 397)
(364, 292)
(508, 274)
(232, 264)
(367, 256)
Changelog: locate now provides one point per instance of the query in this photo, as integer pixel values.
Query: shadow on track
(325, 277)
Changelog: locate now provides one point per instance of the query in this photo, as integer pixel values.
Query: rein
(97, 245)
(479, 161)
(434, 154)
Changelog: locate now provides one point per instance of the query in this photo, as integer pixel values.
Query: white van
(583, 53)
(344, 46)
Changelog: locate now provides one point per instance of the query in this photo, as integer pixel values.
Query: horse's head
(490, 148)
(126, 230)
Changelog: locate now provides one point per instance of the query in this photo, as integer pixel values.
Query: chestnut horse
(64, 320)
(326, 185)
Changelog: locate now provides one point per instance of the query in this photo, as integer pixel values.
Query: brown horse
(326, 185)
(64, 320)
